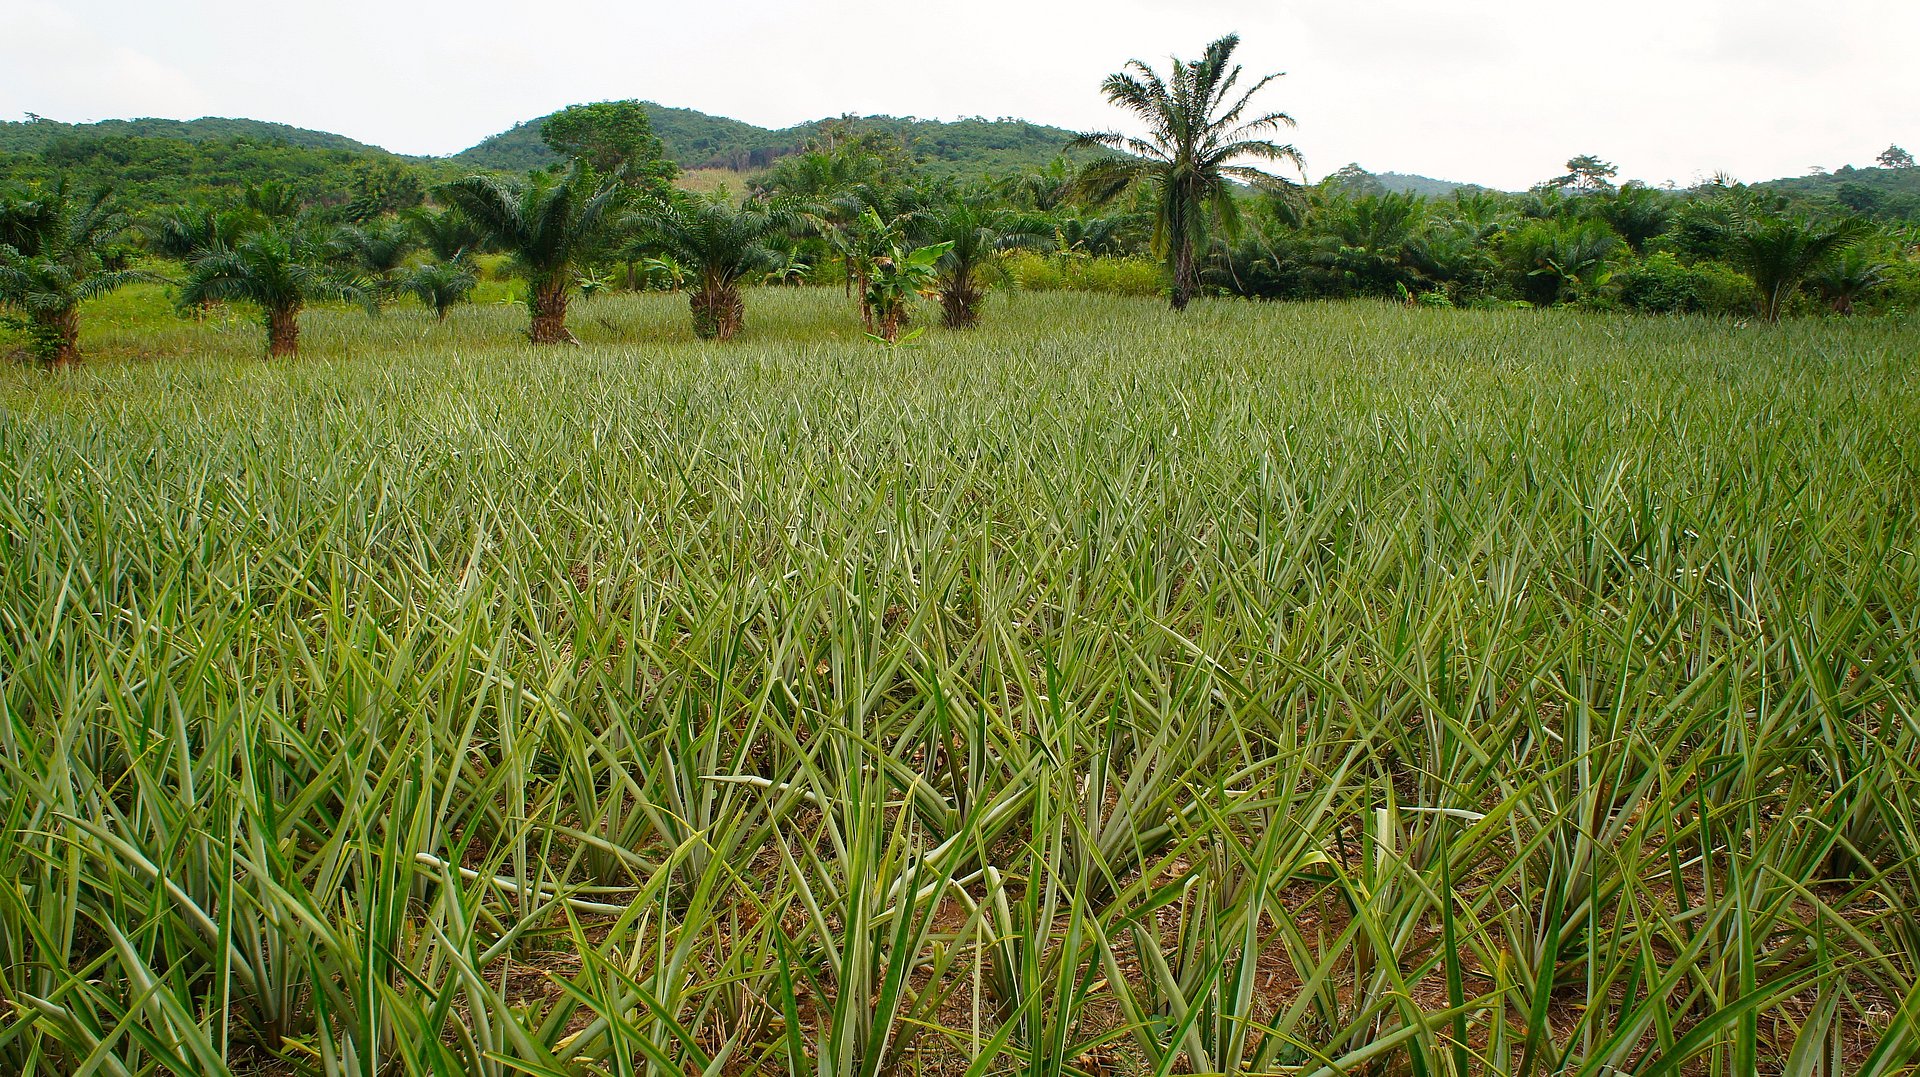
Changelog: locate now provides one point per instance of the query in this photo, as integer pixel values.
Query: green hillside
(1424, 186)
(37, 134)
(697, 140)
(1882, 193)
(152, 162)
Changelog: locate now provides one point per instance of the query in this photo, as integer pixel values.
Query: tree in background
(1779, 252)
(1894, 157)
(183, 233)
(720, 246)
(1586, 174)
(611, 138)
(377, 250)
(1637, 212)
(439, 286)
(273, 200)
(1552, 258)
(1191, 155)
(1848, 278)
(448, 233)
(546, 222)
(383, 186)
(279, 271)
(1353, 180)
(974, 235)
(896, 278)
(56, 252)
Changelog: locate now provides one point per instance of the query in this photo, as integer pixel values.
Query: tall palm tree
(720, 245)
(276, 271)
(546, 223)
(1780, 252)
(1198, 137)
(54, 254)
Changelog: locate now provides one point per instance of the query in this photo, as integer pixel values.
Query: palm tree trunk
(61, 332)
(548, 302)
(1185, 278)
(283, 331)
(719, 310)
(960, 303)
(1182, 238)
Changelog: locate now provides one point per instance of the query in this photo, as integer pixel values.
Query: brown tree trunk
(1185, 279)
(960, 305)
(719, 311)
(548, 302)
(283, 331)
(61, 331)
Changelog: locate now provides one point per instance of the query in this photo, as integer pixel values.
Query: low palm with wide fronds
(276, 271)
(1198, 144)
(439, 286)
(55, 254)
(976, 235)
(547, 223)
(1779, 253)
(721, 246)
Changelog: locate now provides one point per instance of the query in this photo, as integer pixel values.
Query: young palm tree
(1846, 279)
(974, 234)
(1197, 138)
(448, 233)
(277, 272)
(54, 255)
(439, 285)
(720, 246)
(1780, 252)
(184, 233)
(546, 222)
(376, 249)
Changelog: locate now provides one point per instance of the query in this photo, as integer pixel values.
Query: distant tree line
(1188, 206)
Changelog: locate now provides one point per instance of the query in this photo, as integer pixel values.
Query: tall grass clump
(1323, 690)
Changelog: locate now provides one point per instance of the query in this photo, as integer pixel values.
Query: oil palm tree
(1844, 280)
(55, 253)
(376, 249)
(974, 235)
(546, 222)
(183, 233)
(1779, 252)
(1198, 139)
(721, 246)
(279, 272)
(1553, 257)
(448, 233)
(439, 285)
(1638, 213)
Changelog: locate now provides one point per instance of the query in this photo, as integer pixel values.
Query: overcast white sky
(1491, 91)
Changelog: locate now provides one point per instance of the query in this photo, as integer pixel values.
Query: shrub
(1071, 273)
(1662, 284)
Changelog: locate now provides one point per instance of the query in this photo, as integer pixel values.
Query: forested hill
(1883, 193)
(697, 140)
(36, 135)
